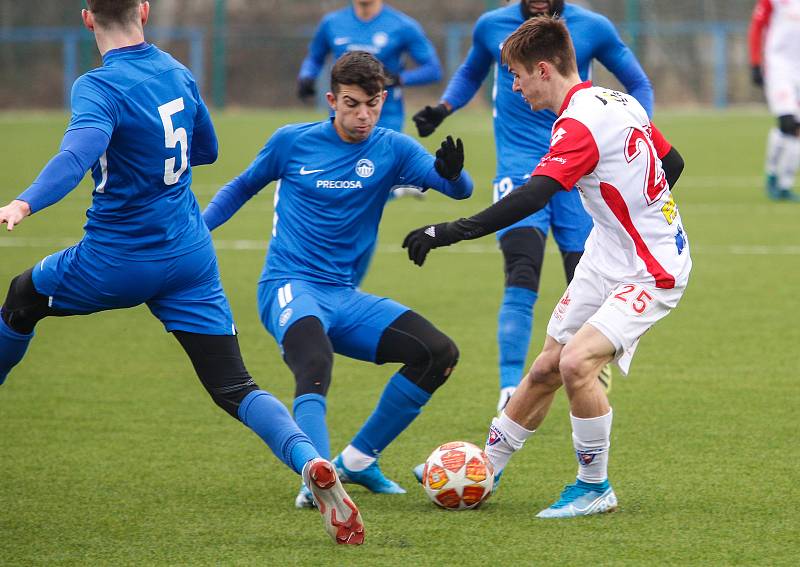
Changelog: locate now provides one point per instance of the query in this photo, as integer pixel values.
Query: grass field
(111, 452)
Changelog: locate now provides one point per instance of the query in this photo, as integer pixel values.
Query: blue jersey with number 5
(149, 105)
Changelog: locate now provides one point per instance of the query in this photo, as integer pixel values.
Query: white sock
(505, 437)
(592, 439)
(788, 161)
(774, 151)
(354, 460)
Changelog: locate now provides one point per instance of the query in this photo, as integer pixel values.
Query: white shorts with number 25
(621, 311)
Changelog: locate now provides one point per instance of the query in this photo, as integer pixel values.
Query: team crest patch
(585, 458)
(495, 436)
(365, 168)
(380, 39)
(285, 316)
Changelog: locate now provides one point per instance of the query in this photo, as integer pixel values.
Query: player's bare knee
(574, 367)
(788, 125)
(545, 370)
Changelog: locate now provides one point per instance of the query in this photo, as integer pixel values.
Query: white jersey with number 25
(604, 143)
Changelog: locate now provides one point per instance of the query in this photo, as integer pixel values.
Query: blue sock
(309, 413)
(269, 419)
(514, 324)
(12, 348)
(400, 402)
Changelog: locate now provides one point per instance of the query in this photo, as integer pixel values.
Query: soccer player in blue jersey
(139, 123)
(334, 178)
(522, 137)
(390, 35)
(387, 33)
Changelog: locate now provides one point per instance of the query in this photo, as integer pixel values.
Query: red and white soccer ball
(458, 476)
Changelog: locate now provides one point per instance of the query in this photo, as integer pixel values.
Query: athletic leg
(428, 357)
(523, 255)
(22, 309)
(783, 157)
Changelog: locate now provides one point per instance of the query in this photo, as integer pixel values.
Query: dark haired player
(334, 178)
(139, 124)
(521, 139)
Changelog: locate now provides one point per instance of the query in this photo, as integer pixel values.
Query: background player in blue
(139, 123)
(522, 137)
(334, 178)
(387, 33)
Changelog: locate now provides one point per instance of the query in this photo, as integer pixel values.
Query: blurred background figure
(775, 62)
(374, 27)
(389, 35)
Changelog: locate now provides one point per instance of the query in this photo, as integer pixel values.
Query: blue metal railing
(70, 38)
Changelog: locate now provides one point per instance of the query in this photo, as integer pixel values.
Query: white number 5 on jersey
(173, 137)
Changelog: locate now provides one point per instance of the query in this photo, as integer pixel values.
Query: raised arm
(620, 60)
(462, 86)
(79, 150)
(314, 61)
(266, 168)
(422, 52)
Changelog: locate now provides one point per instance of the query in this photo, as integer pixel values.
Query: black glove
(429, 118)
(306, 88)
(392, 80)
(757, 76)
(419, 242)
(450, 159)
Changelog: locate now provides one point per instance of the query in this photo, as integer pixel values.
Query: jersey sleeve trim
(573, 153)
(660, 143)
(759, 22)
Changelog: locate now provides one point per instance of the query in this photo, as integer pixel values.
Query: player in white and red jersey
(775, 60)
(632, 274)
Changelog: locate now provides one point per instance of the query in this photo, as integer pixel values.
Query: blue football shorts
(564, 213)
(353, 320)
(183, 292)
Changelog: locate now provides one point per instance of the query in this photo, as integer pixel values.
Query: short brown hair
(358, 68)
(543, 38)
(114, 12)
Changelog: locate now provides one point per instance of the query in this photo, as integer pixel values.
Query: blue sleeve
(421, 50)
(92, 107)
(461, 188)
(417, 169)
(267, 167)
(468, 78)
(317, 52)
(80, 149)
(620, 60)
(205, 147)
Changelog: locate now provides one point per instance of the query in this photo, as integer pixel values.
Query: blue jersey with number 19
(149, 106)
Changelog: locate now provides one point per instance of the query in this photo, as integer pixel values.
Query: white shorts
(782, 87)
(621, 311)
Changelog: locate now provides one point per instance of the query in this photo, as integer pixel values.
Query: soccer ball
(458, 476)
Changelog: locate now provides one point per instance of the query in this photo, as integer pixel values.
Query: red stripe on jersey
(660, 143)
(616, 203)
(758, 25)
(573, 153)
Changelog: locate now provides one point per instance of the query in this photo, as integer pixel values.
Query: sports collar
(127, 49)
(571, 93)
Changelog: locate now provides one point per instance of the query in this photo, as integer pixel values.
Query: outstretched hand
(13, 213)
(450, 159)
(429, 118)
(422, 240)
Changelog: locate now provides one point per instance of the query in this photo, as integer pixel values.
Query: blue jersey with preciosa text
(523, 136)
(330, 196)
(148, 104)
(388, 36)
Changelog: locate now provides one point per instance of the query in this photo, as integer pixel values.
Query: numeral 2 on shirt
(639, 302)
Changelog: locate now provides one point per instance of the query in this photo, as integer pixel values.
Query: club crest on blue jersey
(365, 168)
(380, 39)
